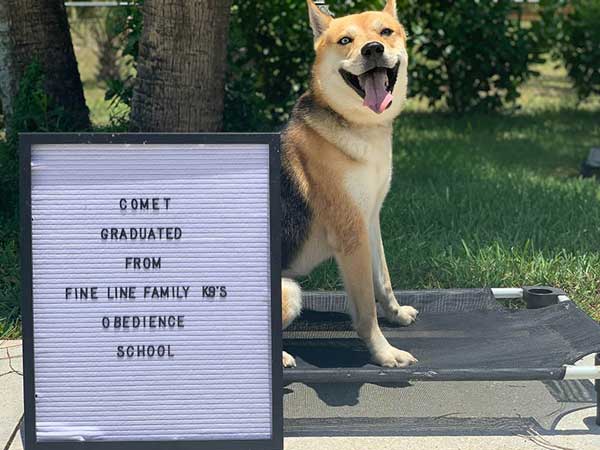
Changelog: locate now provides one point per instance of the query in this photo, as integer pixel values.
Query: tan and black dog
(337, 167)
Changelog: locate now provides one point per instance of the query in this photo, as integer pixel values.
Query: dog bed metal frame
(460, 335)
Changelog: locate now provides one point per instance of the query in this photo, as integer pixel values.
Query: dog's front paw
(403, 315)
(393, 357)
(288, 360)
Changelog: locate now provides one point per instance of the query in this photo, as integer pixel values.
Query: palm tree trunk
(38, 30)
(181, 67)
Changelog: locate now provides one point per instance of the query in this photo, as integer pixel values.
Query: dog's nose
(372, 50)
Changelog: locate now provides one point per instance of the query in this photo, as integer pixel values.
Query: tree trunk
(38, 30)
(181, 68)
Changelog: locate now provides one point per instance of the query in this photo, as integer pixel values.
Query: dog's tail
(291, 301)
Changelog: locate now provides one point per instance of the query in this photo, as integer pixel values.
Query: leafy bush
(269, 57)
(467, 53)
(9, 277)
(33, 110)
(471, 54)
(579, 46)
(270, 44)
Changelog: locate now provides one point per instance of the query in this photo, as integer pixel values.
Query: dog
(337, 168)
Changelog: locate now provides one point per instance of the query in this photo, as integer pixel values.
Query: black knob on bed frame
(541, 296)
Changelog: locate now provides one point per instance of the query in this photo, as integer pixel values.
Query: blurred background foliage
(579, 46)
(471, 55)
(270, 56)
(466, 55)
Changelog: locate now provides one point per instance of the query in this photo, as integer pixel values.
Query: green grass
(9, 262)
(10, 312)
(492, 200)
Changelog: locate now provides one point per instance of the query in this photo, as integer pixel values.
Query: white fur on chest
(368, 181)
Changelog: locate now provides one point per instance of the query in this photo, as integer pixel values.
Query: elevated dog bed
(459, 335)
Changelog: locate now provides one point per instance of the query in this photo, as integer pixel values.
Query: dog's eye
(344, 41)
(387, 32)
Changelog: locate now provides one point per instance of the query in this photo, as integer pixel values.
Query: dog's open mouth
(374, 86)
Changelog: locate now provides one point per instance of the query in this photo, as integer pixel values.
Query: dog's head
(361, 66)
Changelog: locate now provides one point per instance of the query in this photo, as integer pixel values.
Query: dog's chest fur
(368, 181)
(364, 176)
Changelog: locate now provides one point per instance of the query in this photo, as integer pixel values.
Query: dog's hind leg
(291, 306)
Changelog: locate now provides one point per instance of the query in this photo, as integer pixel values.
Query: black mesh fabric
(462, 332)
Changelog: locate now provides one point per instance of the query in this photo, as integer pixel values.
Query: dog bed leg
(597, 385)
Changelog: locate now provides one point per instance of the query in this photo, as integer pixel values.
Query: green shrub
(579, 46)
(9, 275)
(269, 58)
(470, 54)
(270, 46)
(32, 111)
(467, 53)
(9, 183)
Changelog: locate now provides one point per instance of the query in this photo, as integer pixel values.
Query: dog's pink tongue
(377, 96)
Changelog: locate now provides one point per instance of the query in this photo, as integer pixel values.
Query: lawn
(492, 200)
(478, 200)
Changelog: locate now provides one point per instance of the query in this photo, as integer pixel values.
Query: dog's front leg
(384, 294)
(355, 267)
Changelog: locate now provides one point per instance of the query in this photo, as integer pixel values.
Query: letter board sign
(151, 291)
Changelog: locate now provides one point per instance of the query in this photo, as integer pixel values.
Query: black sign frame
(27, 141)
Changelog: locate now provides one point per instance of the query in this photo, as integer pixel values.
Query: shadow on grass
(550, 142)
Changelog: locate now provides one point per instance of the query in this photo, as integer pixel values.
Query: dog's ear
(319, 21)
(390, 8)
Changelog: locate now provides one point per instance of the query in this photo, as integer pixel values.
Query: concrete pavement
(575, 430)
(11, 393)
